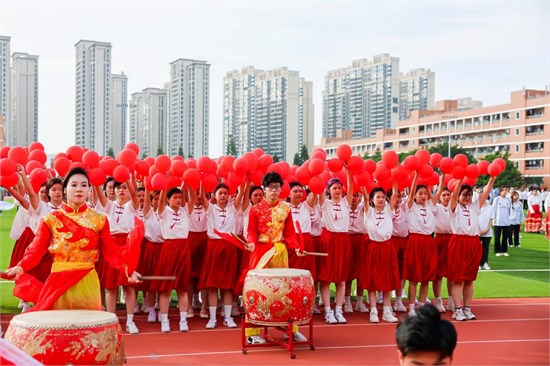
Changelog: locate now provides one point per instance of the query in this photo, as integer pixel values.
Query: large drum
(60, 337)
(274, 296)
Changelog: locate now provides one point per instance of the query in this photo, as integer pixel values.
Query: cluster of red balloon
(164, 172)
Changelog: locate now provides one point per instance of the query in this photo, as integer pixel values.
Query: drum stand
(274, 341)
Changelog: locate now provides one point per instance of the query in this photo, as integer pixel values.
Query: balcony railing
(534, 133)
(534, 167)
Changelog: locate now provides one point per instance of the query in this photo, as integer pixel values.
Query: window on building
(517, 148)
(517, 131)
(517, 115)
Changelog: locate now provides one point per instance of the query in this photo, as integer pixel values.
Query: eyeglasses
(274, 188)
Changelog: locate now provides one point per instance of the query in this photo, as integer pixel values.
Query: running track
(508, 331)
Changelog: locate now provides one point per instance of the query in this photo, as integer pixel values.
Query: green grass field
(524, 274)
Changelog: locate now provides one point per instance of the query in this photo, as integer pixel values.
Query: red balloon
(62, 155)
(433, 180)
(319, 153)
(256, 177)
(127, 157)
(221, 172)
(61, 165)
(133, 146)
(8, 181)
(36, 146)
(472, 171)
(97, 176)
(177, 168)
(285, 191)
(452, 184)
(335, 165)
(19, 155)
(461, 159)
(213, 167)
(316, 166)
(265, 161)
(142, 168)
(362, 178)
(240, 166)
(121, 173)
(252, 161)
(303, 175)
(174, 182)
(446, 165)
(4, 152)
(37, 178)
(147, 184)
(159, 182)
(412, 163)
(344, 152)
(163, 163)
(390, 158)
(258, 152)
(91, 159)
(227, 163)
(399, 173)
(425, 171)
(209, 182)
(7, 167)
(423, 156)
(483, 165)
(316, 185)
(494, 169)
(108, 165)
(276, 168)
(192, 178)
(150, 160)
(77, 164)
(286, 168)
(31, 166)
(233, 181)
(469, 181)
(355, 163)
(435, 159)
(369, 165)
(74, 153)
(501, 162)
(203, 164)
(39, 156)
(458, 172)
(382, 173)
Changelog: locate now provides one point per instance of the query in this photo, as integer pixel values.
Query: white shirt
(315, 217)
(517, 216)
(246, 220)
(421, 218)
(534, 200)
(42, 210)
(379, 224)
(174, 225)
(501, 211)
(336, 216)
(547, 204)
(301, 213)
(20, 221)
(357, 220)
(465, 219)
(153, 232)
(121, 218)
(485, 216)
(442, 224)
(222, 219)
(239, 222)
(197, 219)
(401, 221)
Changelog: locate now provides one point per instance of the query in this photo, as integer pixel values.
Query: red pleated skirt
(400, 245)
(420, 262)
(21, 244)
(358, 252)
(442, 245)
(150, 253)
(464, 255)
(219, 268)
(111, 278)
(243, 259)
(197, 245)
(533, 222)
(174, 260)
(380, 271)
(308, 262)
(335, 267)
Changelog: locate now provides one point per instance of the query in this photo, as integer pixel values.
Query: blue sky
(479, 49)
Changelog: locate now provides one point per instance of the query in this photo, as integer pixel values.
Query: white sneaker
(374, 316)
(361, 307)
(439, 305)
(340, 317)
(427, 301)
(412, 312)
(348, 308)
(255, 340)
(165, 326)
(389, 317)
(229, 322)
(399, 307)
(316, 309)
(329, 317)
(190, 314)
(299, 337)
(211, 323)
(26, 307)
(184, 327)
(505, 254)
(458, 315)
(486, 267)
(450, 304)
(131, 328)
(468, 313)
(152, 317)
(498, 254)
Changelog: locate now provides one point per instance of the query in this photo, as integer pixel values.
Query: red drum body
(274, 296)
(61, 337)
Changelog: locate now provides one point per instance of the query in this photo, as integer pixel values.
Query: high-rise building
(270, 109)
(118, 126)
(23, 124)
(189, 105)
(5, 76)
(93, 95)
(363, 97)
(148, 120)
(416, 92)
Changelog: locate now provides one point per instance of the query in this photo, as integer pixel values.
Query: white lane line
(514, 270)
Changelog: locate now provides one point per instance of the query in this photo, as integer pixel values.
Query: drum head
(279, 272)
(63, 319)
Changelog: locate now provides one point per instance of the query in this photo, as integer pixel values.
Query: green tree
(231, 147)
(443, 149)
(180, 151)
(111, 152)
(302, 156)
(510, 177)
(276, 158)
(159, 151)
(190, 155)
(377, 156)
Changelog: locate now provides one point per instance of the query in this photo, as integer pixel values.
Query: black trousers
(485, 241)
(514, 235)
(502, 235)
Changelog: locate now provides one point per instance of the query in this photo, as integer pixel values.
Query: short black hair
(107, 181)
(294, 184)
(72, 172)
(173, 191)
(426, 332)
(466, 187)
(220, 186)
(374, 192)
(271, 177)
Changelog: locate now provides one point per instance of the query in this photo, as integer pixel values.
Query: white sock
(227, 310)
(129, 318)
(398, 300)
(347, 299)
(387, 309)
(163, 317)
(438, 298)
(411, 307)
(373, 309)
(183, 316)
(152, 310)
(338, 309)
(359, 299)
(212, 310)
(327, 309)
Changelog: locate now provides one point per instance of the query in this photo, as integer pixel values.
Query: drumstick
(240, 240)
(318, 254)
(160, 278)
